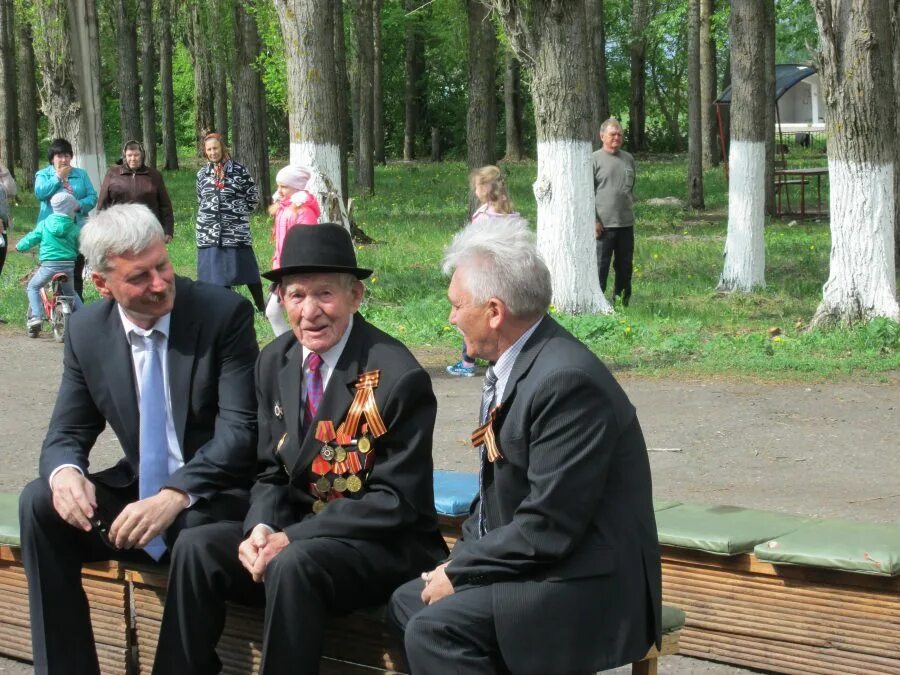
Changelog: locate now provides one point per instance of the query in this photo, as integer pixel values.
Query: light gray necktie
(153, 445)
(488, 392)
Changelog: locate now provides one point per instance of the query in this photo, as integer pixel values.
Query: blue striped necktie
(154, 448)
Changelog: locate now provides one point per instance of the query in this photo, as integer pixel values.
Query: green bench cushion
(672, 619)
(721, 530)
(663, 504)
(868, 548)
(9, 518)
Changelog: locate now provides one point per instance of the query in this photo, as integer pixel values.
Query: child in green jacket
(57, 235)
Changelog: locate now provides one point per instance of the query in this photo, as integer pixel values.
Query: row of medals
(352, 483)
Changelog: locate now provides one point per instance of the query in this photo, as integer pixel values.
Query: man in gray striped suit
(558, 569)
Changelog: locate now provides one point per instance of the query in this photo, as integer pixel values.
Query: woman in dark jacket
(226, 196)
(130, 181)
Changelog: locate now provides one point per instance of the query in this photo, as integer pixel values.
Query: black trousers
(616, 245)
(53, 552)
(456, 634)
(78, 281)
(306, 583)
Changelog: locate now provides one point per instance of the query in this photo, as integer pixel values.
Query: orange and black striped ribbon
(484, 435)
(364, 405)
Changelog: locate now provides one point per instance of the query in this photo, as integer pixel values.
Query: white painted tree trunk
(861, 280)
(325, 182)
(565, 232)
(88, 144)
(745, 251)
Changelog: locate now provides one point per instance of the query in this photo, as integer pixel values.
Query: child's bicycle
(57, 306)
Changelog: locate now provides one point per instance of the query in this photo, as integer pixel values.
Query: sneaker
(34, 327)
(460, 369)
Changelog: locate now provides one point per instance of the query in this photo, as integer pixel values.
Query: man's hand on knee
(74, 498)
(257, 550)
(437, 585)
(142, 520)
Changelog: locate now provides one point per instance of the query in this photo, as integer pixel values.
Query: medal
(364, 444)
(340, 454)
(323, 485)
(318, 505)
(354, 484)
(327, 453)
(340, 484)
(325, 431)
(277, 410)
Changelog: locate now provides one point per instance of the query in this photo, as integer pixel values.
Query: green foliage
(676, 322)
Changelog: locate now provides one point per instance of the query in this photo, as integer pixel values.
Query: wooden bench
(127, 601)
(783, 594)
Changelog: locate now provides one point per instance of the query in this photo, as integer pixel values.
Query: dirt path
(821, 450)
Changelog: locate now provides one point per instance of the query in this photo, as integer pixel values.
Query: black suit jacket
(396, 503)
(571, 550)
(211, 352)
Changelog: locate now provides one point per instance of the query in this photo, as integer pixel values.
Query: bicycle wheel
(59, 318)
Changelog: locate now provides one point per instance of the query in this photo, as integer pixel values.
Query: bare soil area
(829, 450)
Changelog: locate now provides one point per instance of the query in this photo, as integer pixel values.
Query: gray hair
(611, 122)
(499, 259)
(126, 228)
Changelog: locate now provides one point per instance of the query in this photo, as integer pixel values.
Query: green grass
(676, 324)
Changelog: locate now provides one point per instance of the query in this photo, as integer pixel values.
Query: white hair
(498, 259)
(126, 228)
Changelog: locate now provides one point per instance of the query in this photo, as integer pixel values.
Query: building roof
(786, 76)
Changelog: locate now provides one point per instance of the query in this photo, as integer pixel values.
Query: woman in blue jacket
(61, 175)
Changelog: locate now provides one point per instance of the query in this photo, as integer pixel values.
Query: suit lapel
(183, 331)
(115, 351)
(526, 357)
(338, 396)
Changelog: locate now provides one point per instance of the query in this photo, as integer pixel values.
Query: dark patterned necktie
(313, 389)
(488, 392)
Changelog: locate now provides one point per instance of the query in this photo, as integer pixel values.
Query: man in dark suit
(168, 364)
(343, 509)
(558, 570)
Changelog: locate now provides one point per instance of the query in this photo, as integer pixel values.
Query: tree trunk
(166, 86)
(250, 141)
(555, 39)
(512, 99)
(481, 118)
(769, 123)
(599, 82)
(8, 122)
(855, 67)
(895, 32)
(148, 81)
(711, 153)
(343, 86)
(315, 133)
(414, 67)
(362, 16)
(28, 103)
(744, 268)
(378, 90)
(127, 71)
(695, 129)
(203, 75)
(637, 113)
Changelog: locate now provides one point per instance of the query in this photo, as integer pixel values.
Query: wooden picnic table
(785, 177)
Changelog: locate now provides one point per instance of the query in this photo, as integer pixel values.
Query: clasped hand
(257, 550)
(437, 585)
(75, 500)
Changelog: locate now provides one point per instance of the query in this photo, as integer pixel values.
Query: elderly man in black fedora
(342, 511)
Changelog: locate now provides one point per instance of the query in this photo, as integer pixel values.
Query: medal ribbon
(325, 431)
(364, 405)
(484, 435)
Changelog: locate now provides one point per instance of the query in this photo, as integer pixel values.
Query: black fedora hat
(317, 248)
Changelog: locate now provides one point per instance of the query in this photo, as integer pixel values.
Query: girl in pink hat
(291, 205)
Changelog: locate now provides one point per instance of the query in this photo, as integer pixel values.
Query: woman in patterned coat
(226, 196)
